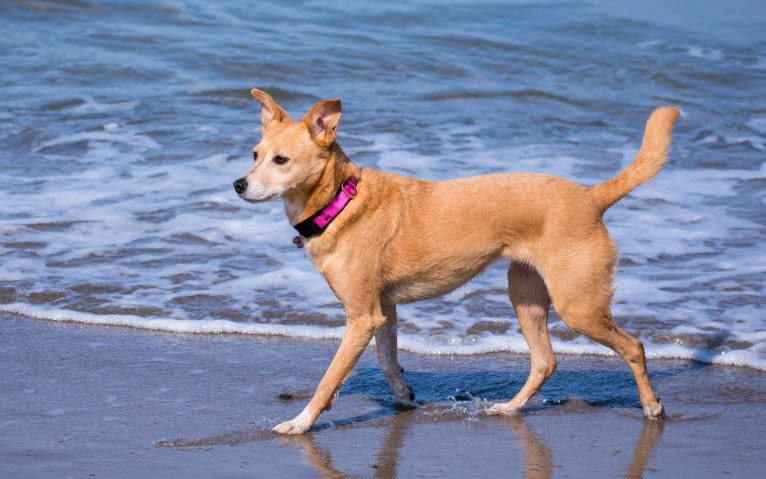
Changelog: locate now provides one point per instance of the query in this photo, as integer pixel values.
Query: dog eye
(281, 160)
(255, 156)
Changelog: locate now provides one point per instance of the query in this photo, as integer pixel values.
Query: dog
(381, 239)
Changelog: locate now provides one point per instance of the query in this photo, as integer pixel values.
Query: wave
(437, 345)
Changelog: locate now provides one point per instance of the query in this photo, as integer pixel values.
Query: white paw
(503, 409)
(654, 410)
(300, 424)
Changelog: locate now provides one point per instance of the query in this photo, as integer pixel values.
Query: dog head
(291, 154)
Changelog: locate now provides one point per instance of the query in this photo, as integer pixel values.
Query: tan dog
(394, 240)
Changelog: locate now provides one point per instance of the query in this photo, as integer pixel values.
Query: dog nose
(240, 186)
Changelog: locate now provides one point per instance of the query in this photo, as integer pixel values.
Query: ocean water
(123, 124)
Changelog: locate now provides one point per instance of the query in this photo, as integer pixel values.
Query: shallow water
(124, 123)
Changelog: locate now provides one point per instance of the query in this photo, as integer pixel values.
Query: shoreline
(83, 401)
(407, 343)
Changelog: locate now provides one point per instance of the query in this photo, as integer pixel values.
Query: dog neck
(302, 204)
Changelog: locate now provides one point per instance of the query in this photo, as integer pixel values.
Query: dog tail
(649, 161)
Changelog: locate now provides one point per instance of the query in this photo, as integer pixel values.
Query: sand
(82, 401)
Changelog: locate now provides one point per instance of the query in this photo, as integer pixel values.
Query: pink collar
(320, 220)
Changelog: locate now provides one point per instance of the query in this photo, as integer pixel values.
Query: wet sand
(80, 401)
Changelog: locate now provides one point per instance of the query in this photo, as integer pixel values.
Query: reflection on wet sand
(317, 457)
(387, 458)
(539, 455)
(651, 431)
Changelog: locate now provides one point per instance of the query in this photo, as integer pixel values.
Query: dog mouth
(259, 200)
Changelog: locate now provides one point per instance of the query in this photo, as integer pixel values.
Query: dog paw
(298, 425)
(406, 401)
(654, 410)
(405, 405)
(502, 409)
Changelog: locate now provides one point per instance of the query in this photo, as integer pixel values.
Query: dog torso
(407, 239)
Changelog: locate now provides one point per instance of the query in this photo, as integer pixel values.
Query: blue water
(122, 125)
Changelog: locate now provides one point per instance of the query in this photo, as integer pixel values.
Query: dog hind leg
(581, 296)
(531, 302)
(599, 326)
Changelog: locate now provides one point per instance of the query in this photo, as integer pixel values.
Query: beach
(153, 324)
(84, 401)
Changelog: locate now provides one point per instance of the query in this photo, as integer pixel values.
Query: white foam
(90, 105)
(758, 124)
(756, 142)
(173, 325)
(109, 136)
(712, 54)
(416, 343)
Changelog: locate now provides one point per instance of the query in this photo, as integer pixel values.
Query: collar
(320, 220)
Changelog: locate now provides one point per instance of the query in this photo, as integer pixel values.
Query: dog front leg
(357, 336)
(386, 345)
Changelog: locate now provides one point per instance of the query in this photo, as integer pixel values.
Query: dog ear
(322, 120)
(270, 111)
